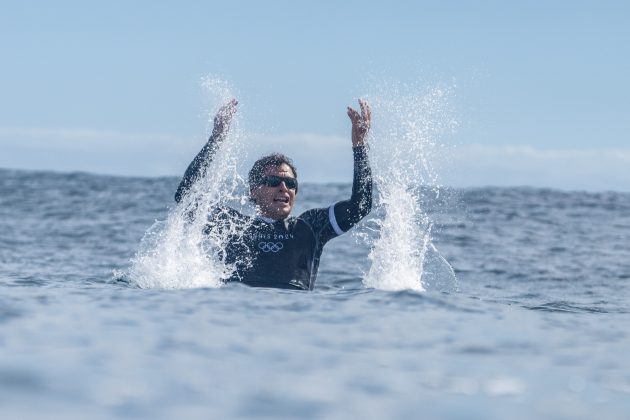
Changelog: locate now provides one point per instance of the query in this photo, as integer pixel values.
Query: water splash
(180, 253)
(404, 145)
(176, 253)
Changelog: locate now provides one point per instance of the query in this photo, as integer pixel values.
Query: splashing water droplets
(404, 146)
(176, 253)
(184, 252)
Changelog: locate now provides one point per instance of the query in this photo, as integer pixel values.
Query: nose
(283, 186)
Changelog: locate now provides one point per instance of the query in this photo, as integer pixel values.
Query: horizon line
(440, 186)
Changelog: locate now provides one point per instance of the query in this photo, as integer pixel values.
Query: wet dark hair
(257, 172)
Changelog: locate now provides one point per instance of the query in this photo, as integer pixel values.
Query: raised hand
(360, 123)
(223, 118)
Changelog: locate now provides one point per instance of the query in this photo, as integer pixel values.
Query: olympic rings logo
(270, 246)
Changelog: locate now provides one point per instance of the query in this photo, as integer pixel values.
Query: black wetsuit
(284, 253)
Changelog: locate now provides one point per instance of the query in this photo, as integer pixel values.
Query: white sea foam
(176, 253)
(404, 144)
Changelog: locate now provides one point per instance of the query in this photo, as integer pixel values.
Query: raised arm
(197, 167)
(349, 212)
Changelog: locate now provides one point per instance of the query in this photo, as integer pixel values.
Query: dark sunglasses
(274, 181)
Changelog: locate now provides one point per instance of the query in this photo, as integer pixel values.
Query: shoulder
(223, 213)
(313, 216)
(322, 220)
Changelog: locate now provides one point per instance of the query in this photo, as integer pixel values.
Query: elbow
(180, 193)
(360, 209)
(368, 206)
(365, 207)
(363, 204)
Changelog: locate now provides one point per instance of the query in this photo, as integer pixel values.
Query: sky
(540, 89)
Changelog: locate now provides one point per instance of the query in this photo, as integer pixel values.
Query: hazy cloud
(110, 152)
(590, 169)
(319, 158)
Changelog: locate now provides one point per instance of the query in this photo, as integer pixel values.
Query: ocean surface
(536, 324)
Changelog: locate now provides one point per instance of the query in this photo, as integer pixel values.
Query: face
(275, 202)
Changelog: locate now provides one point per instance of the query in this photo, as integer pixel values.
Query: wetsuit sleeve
(327, 223)
(198, 166)
(345, 214)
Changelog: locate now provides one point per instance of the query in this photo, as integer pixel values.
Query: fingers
(225, 113)
(228, 109)
(364, 119)
(360, 123)
(231, 106)
(354, 115)
(363, 106)
(223, 117)
(366, 112)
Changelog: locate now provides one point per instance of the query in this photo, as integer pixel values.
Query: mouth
(282, 200)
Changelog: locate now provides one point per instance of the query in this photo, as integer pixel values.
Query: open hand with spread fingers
(360, 123)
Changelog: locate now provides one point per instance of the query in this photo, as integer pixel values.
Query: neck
(268, 217)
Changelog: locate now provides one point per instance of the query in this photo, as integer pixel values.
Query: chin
(282, 213)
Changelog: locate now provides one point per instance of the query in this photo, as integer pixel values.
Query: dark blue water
(537, 328)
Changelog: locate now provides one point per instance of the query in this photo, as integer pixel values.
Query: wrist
(218, 133)
(360, 152)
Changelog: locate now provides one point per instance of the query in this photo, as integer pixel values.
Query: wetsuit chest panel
(281, 254)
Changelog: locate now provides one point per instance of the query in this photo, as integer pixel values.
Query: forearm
(197, 167)
(349, 212)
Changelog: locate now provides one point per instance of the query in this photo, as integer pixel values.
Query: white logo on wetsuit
(270, 246)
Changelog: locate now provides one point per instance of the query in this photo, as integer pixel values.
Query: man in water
(275, 249)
